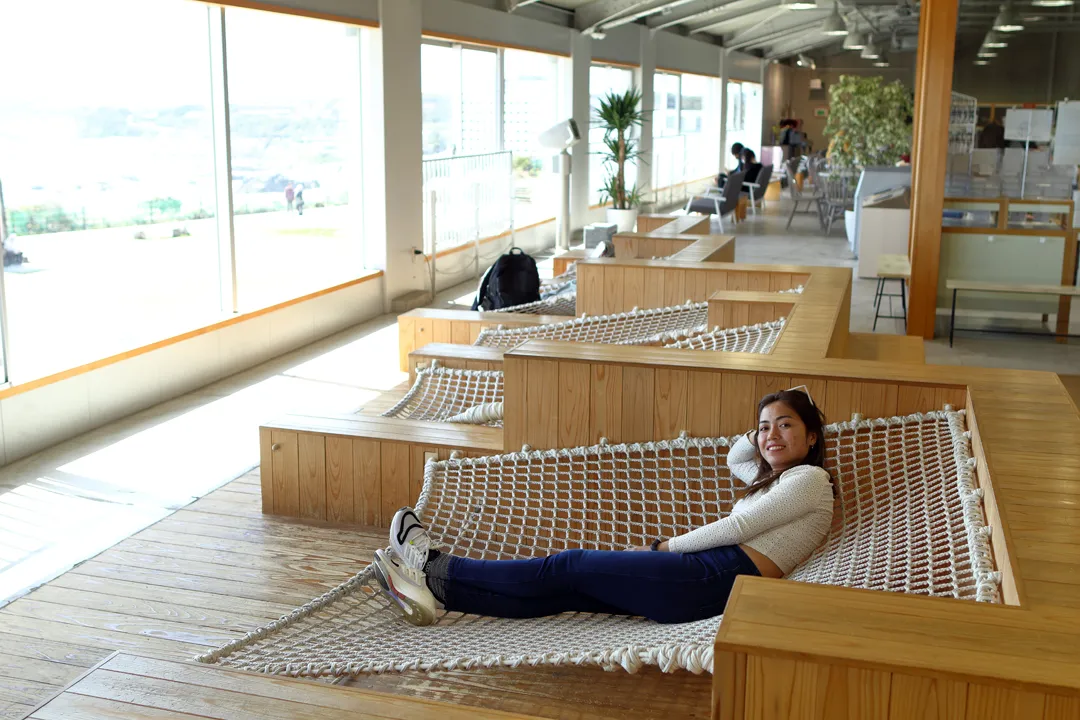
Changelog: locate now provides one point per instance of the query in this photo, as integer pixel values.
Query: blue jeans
(666, 587)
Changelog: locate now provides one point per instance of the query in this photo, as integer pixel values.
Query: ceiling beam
(771, 37)
(699, 9)
(597, 13)
(746, 7)
(662, 10)
(512, 5)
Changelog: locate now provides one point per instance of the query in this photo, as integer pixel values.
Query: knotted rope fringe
(758, 338)
(908, 519)
(439, 393)
(637, 327)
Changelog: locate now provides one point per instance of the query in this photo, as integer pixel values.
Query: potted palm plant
(619, 114)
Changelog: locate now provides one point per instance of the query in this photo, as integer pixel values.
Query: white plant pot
(624, 220)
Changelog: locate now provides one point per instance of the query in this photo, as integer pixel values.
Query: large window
(686, 133)
(460, 94)
(604, 79)
(744, 113)
(106, 161)
(295, 126)
(109, 169)
(534, 100)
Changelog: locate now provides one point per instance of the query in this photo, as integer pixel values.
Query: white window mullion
(219, 106)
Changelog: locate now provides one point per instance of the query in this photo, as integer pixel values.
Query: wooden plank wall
(761, 687)
(448, 355)
(631, 247)
(563, 402)
(418, 328)
(610, 286)
(348, 478)
(730, 312)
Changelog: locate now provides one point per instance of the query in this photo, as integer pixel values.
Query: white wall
(36, 419)
(675, 52)
(743, 67)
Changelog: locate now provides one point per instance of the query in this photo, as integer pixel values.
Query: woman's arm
(743, 459)
(793, 496)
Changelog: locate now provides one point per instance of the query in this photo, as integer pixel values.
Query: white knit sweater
(785, 522)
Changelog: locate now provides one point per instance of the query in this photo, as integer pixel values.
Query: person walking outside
(290, 195)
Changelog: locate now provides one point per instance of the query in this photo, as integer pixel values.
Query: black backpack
(512, 280)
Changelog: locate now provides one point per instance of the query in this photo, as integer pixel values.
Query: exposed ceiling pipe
(740, 37)
(598, 13)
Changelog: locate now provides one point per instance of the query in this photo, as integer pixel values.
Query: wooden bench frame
(789, 649)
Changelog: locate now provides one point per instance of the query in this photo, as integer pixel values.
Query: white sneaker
(407, 588)
(409, 539)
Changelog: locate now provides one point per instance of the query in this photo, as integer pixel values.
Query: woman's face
(782, 438)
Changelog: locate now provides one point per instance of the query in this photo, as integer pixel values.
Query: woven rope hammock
(758, 338)
(908, 518)
(440, 393)
(637, 327)
(565, 303)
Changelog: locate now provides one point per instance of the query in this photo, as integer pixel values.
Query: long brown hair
(814, 420)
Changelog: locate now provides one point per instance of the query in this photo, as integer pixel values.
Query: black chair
(719, 201)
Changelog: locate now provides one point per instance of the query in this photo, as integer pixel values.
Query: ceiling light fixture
(986, 53)
(871, 51)
(994, 40)
(798, 4)
(1052, 3)
(1007, 21)
(982, 62)
(834, 24)
(882, 61)
(855, 40)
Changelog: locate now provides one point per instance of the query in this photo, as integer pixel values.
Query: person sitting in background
(750, 165)
(736, 152)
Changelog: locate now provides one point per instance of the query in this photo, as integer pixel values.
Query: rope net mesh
(439, 393)
(758, 338)
(637, 327)
(565, 303)
(908, 519)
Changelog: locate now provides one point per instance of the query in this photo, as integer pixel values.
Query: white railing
(467, 198)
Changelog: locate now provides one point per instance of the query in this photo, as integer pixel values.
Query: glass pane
(701, 122)
(744, 117)
(533, 103)
(294, 100)
(604, 80)
(479, 116)
(107, 170)
(959, 213)
(666, 106)
(440, 76)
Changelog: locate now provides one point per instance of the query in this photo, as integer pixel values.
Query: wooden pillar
(933, 88)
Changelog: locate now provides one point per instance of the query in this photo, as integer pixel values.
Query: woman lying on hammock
(783, 515)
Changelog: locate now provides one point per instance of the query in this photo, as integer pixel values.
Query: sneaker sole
(408, 610)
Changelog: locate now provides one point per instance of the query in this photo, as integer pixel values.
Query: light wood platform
(130, 686)
(220, 568)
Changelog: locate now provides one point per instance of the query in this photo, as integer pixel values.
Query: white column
(723, 110)
(643, 78)
(580, 182)
(396, 221)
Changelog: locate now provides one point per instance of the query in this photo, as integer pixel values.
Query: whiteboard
(1026, 124)
(1067, 137)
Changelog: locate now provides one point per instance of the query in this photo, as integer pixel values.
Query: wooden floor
(219, 568)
